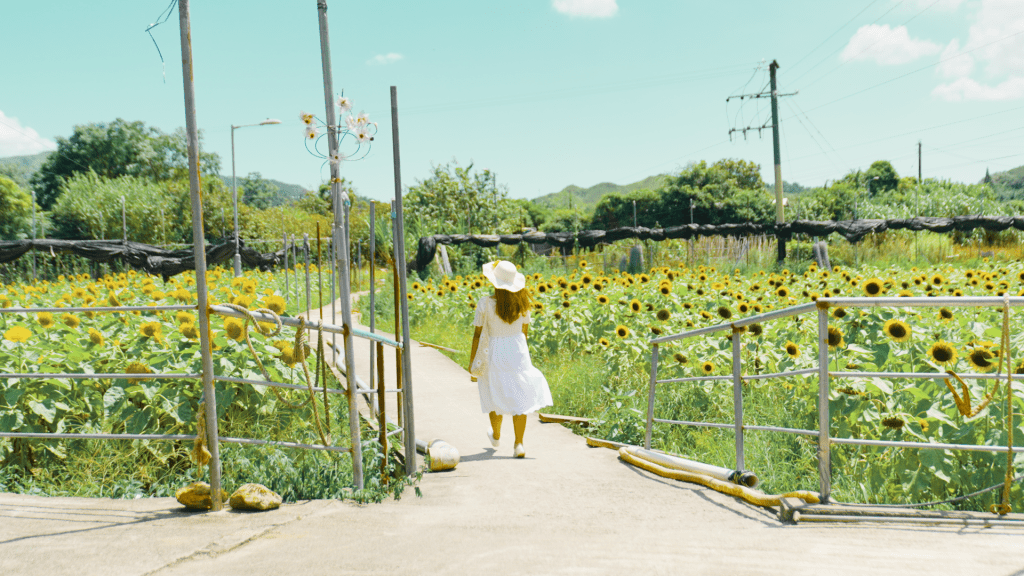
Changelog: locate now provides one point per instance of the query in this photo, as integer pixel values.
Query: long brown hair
(511, 305)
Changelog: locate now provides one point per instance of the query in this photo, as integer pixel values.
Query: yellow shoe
(519, 451)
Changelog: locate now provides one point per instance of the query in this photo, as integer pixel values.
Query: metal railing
(223, 311)
(825, 440)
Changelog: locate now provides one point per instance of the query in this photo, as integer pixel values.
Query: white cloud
(587, 8)
(998, 19)
(18, 140)
(954, 64)
(384, 58)
(969, 89)
(886, 46)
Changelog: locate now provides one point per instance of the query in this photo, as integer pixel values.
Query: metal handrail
(308, 325)
(824, 415)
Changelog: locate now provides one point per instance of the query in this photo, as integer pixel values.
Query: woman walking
(508, 382)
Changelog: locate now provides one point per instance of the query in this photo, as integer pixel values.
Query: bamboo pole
(199, 248)
(381, 421)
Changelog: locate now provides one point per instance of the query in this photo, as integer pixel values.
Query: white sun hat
(503, 275)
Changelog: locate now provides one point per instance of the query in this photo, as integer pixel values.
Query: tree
(725, 192)
(118, 148)
(257, 192)
(616, 210)
(888, 179)
(15, 211)
(456, 200)
(324, 192)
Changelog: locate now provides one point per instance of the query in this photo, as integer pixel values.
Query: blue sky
(545, 93)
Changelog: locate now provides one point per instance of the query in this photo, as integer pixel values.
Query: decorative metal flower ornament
(357, 130)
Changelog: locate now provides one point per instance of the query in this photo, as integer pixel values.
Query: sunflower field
(155, 342)
(590, 335)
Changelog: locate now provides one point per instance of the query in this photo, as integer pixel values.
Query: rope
(200, 453)
(300, 347)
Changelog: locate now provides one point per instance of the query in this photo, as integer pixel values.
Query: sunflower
(835, 338)
(635, 305)
(839, 312)
(565, 304)
(45, 319)
(942, 352)
(981, 359)
(873, 287)
(782, 292)
(71, 320)
(664, 314)
(687, 305)
(945, 314)
(898, 330)
(893, 422)
(792, 349)
(680, 357)
(542, 288)
(644, 278)
(587, 279)
(137, 368)
(756, 329)
(707, 367)
(150, 330)
(17, 334)
(937, 280)
(604, 342)
(655, 330)
(716, 286)
(724, 312)
(705, 314)
(621, 331)
(602, 299)
(189, 330)
(233, 326)
(665, 289)
(558, 314)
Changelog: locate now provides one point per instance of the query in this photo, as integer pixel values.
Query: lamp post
(234, 188)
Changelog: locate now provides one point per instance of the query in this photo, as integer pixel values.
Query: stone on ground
(254, 497)
(197, 496)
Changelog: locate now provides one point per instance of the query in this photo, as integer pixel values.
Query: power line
(870, 4)
(650, 82)
(873, 44)
(921, 69)
(830, 54)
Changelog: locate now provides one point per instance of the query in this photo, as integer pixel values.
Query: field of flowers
(152, 342)
(600, 324)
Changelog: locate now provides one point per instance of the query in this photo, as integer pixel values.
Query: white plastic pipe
(748, 479)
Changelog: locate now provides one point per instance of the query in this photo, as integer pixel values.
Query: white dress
(508, 381)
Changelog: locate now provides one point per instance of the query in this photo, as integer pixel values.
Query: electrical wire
(830, 54)
(162, 18)
(921, 69)
(870, 4)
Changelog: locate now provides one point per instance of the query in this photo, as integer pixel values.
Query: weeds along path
(564, 509)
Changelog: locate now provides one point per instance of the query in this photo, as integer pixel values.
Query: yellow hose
(753, 496)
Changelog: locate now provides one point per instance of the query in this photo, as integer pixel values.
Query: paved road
(564, 509)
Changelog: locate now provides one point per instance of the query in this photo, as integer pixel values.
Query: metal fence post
(199, 248)
(373, 252)
(737, 398)
(285, 266)
(410, 428)
(650, 396)
(305, 252)
(824, 448)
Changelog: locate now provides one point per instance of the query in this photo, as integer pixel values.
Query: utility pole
(780, 216)
(918, 161)
(634, 213)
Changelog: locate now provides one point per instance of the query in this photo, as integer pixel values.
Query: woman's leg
(519, 424)
(496, 424)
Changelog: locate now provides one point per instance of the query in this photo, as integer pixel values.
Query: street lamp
(234, 188)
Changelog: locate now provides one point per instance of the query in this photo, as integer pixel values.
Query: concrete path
(564, 509)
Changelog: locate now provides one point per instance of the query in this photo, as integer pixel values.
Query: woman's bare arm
(476, 344)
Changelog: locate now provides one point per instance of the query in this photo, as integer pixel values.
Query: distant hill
(21, 168)
(587, 198)
(285, 192)
(1008, 185)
